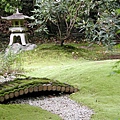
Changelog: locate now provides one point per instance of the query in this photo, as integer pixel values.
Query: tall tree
(63, 14)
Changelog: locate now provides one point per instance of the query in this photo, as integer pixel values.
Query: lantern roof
(16, 16)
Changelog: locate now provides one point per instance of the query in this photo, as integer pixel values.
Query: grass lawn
(25, 112)
(99, 86)
(98, 89)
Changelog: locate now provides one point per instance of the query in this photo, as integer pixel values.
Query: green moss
(19, 83)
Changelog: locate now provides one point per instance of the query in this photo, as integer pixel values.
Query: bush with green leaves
(97, 19)
(117, 64)
(103, 31)
(10, 63)
(10, 5)
(64, 15)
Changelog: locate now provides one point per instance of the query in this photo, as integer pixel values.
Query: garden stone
(17, 48)
(29, 46)
(2, 79)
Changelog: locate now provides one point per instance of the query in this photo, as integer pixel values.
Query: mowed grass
(98, 88)
(25, 112)
(98, 84)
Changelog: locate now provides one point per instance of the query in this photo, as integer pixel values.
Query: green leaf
(118, 11)
(118, 32)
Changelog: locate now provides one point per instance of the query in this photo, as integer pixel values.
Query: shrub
(10, 63)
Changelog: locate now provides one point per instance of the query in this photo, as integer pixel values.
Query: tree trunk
(62, 42)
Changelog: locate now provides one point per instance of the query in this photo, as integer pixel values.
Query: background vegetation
(89, 20)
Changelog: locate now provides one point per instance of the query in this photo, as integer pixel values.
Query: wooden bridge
(23, 86)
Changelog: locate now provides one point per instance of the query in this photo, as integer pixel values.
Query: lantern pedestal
(22, 37)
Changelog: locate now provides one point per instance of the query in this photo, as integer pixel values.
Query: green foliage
(118, 12)
(10, 63)
(103, 30)
(10, 5)
(117, 67)
(98, 19)
(64, 15)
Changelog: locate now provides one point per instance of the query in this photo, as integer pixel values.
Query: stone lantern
(17, 29)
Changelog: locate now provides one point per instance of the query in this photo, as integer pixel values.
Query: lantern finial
(17, 11)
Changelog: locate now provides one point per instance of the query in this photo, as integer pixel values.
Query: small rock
(29, 46)
(2, 79)
(17, 48)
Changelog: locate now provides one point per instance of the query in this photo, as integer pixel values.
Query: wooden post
(30, 89)
(75, 89)
(6, 97)
(58, 88)
(67, 89)
(25, 90)
(71, 89)
(62, 89)
(11, 95)
(44, 87)
(21, 92)
(35, 89)
(40, 88)
(16, 93)
(1, 99)
(49, 88)
(54, 88)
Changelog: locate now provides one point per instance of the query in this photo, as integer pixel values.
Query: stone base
(17, 48)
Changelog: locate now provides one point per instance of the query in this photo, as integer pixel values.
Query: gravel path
(63, 106)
